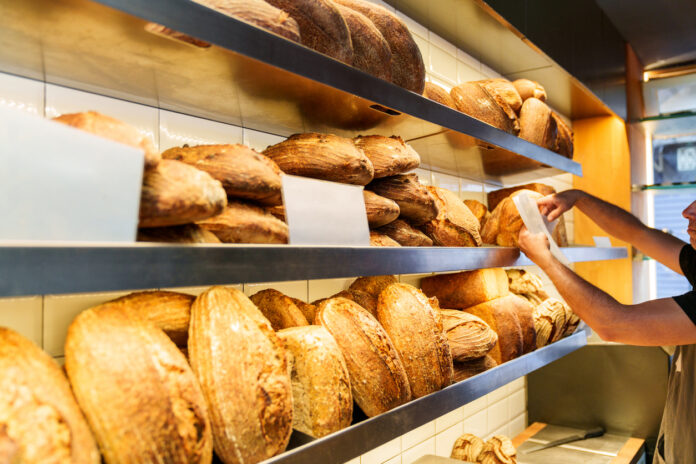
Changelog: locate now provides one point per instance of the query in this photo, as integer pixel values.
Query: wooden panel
(601, 146)
(528, 433)
(630, 453)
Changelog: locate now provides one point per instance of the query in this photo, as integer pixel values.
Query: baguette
(467, 288)
(380, 210)
(245, 223)
(389, 155)
(415, 202)
(371, 51)
(280, 310)
(405, 234)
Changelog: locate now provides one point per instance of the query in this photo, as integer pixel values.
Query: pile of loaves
(173, 376)
(497, 450)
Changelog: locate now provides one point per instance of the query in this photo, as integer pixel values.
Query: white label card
(324, 213)
(601, 241)
(536, 223)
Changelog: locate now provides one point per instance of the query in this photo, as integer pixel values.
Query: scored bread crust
(389, 155)
(415, 202)
(242, 222)
(415, 328)
(474, 100)
(242, 370)
(479, 210)
(377, 376)
(466, 288)
(505, 90)
(371, 52)
(469, 337)
(280, 310)
(405, 234)
(40, 420)
(380, 210)
(455, 224)
(501, 317)
(136, 389)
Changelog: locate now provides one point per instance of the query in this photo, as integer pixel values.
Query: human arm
(618, 223)
(652, 323)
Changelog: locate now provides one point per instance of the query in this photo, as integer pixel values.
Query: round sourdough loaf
(469, 337)
(415, 202)
(537, 125)
(372, 285)
(436, 93)
(241, 366)
(504, 89)
(280, 310)
(529, 89)
(389, 155)
(187, 233)
(405, 234)
(136, 389)
(380, 210)
(377, 376)
(501, 316)
(455, 225)
(371, 51)
(40, 421)
(468, 447)
(322, 399)
(242, 222)
(476, 101)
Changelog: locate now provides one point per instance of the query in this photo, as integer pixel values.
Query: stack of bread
(497, 450)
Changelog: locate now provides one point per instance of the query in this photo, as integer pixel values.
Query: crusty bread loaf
(467, 447)
(529, 89)
(380, 210)
(564, 137)
(525, 314)
(372, 285)
(501, 316)
(405, 234)
(308, 310)
(187, 233)
(245, 223)
(415, 328)
(537, 125)
(377, 376)
(479, 210)
(280, 310)
(550, 321)
(40, 420)
(241, 366)
(415, 202)
(466, 369)
(503, 227)
(474, 100)
(322, 156)
(389, 155)
(364, 299)
(436, 93)
(322, 26)
(454, 225)
(112, 129)
(498, 450)
(322, 399)
(467, 288)
(407, 67)
(469, 337)
(521, 281)
(378, 239)
(136, 389)
(504, 89)
(243, 172)
(371, 51)
(175, 193)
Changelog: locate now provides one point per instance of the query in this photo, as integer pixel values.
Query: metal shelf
(251, 78)
(355, 440)
(34, 269)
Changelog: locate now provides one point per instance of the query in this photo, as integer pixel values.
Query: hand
(552, 206)
(535, 246)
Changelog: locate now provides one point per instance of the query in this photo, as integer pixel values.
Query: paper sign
(324, 213)
(601, 242)
(61, 183)
(532, 218)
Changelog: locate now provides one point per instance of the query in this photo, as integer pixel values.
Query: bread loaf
(245, 223)
(389, 155)
(525, 314)
(241, 366)
(564, 137)
(479, 210)
(136, 389)
(529, 89)
(415, 328)
(407, 67)
(469, 337)
(505, 90)
(372, 285)
(243, 172)
(498, 450)
(322, 399)
(467, 369)
(280, 310)
(378, 239)
(322, 26)
(436, 93)
(371, 51)
(501, 316)
(187, 233)
(405, 234)
(380, 210)
(474, 100)
(415, 202)
(537, 125)
(454, 225)
(377, 376)
(175, 193)
(503, 227)
(550, 321)
(112, 129)
(364, 299)
(521, 281)
(467, 447)
(322, 156)
(308, 309)
(467, 288)
(40, 421)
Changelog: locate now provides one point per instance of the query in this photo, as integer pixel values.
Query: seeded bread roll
(378, 239)
(40, 420)
(136, 389)
(501, 316)
(322, 399)
(380, 210)
(245, 223)
(537, 124)
(372, 285)
(467, 288)
(241, 367)
(389, 155)
(112, 129)
(187, 233)
(474, 100)
(454, 225)
(529, 89)
(466, 369)
(243, 172)
(415, 202)
(280, 310)
(424, 351)
(436, 93)
(377, 376)
(371, 51)
(469, 337)
(504, 89)
(405, 234)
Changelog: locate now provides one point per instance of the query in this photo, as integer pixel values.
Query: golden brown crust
(322, 156)
(405, 234)
(521, 281)
(308, 310)
(464, 370)
(380, 210)
(377, 376)
(236, 355)
(378, 239)
(436, 93)
(529, 89)
(389, 155)
(479, 210)
(454, 225)
(372, 285)
(415, 202)
(40, 420)
(187, 233)
(280, 310)
(525, 314)
(112, 129)
(505, 90)
(496, 196)
(503, 227)
(138, 393)
(474, 100)
(468, 447)
(501, 317)
(243, 172)
(322, 399)
(564, 138)
(371, 51)
(537, 124)
(498, 450)
(364, 299)
(244, 223)
(467, 288)
(425, 352)
(469, 337)
(550, 318)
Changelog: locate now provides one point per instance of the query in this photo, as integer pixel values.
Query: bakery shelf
(251, 78)
(671, 125)
(363, 436)
(34, 269)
